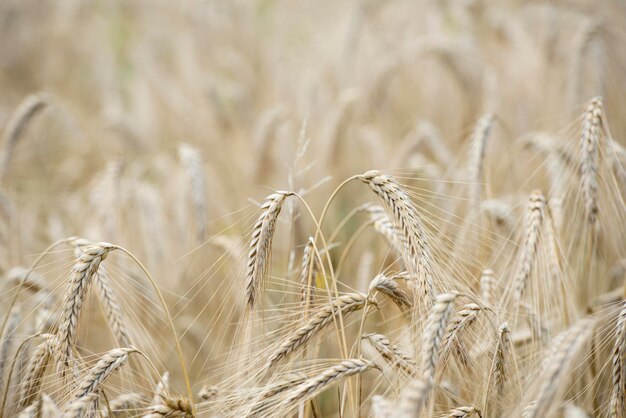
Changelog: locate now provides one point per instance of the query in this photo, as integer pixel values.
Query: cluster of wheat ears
(484, 278)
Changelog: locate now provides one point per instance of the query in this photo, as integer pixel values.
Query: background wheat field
(359, 208)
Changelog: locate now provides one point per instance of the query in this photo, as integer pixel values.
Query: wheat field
(362, 208)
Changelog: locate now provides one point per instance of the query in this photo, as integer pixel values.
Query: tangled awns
(313, 209)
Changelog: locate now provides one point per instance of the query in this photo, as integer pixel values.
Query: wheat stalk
(261, 244)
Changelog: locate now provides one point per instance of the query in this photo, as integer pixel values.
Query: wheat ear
(310, 265)
(208, 392)
(261, 244)
(107, 297)
(82, 274)
(191, 161)
(392, 353)
(391, 290)
(382, 407)
(123, 403)
(382, 225)
(589, 145)
(478, 145)
(31, 381)
(346, 304)
(463, 412)
(463, 319)
(286, 382)
(104, 368)
(171, 408)
(30, 107)
(487, 286)
(406, 221)
(8, 341)
(617, 407)
(416, 393)
(534, 220)
(560, 355)
(501, 358)
(316, 384)
(80, 407)
(434, 331)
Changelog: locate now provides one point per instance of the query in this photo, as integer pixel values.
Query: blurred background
(165, 123)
